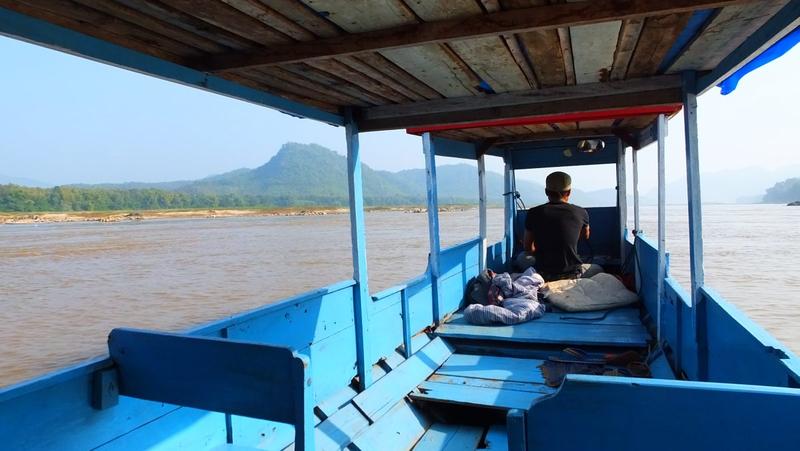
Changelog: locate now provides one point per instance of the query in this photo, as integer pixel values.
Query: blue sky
(70, 120)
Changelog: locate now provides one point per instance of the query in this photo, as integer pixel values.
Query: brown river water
(64, 286)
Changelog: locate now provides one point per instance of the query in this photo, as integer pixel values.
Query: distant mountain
(745, 185)
(783, 192)
(22, 181)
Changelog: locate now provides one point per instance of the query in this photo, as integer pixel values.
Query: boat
(536, 84)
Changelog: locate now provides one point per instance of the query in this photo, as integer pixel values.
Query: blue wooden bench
(239, 378)
(611, 413)
(616, 328)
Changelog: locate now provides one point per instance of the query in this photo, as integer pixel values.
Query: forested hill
(298, 175)
(784, 192)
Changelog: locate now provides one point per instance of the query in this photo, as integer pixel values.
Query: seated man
(552, 232)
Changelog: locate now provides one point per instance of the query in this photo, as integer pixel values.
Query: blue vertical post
(622, 198)
(695, 219)
(361, 298)
(662, 220)
(482, 209)
(433, 222)
(508, 190)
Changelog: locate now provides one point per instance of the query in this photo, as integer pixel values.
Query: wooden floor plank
(450, 437)
(399, 429)
(508, 369)
(490, 398)
(376, 400)
(497, 438)
(334, 402)
(340, 429)
(491, 383)
(551, 333)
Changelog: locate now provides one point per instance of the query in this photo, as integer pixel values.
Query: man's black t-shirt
(556, 228)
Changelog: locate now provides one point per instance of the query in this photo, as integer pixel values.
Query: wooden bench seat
(619, 328)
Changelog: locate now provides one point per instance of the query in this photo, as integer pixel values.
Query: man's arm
(527, 243)
(585, 232)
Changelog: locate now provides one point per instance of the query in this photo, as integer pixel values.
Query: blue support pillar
(695, 219)
(433, 222)
(661, 128)
(510, 207)
(482, 209)
(361, 298)
(622, 198)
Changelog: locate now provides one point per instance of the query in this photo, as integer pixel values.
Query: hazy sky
(69, 120)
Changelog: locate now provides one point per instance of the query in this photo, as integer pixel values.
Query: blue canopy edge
(777, 50)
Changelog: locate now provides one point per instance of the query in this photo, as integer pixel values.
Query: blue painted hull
(320, 325)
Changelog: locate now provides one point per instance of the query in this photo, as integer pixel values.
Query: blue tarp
(774, 52)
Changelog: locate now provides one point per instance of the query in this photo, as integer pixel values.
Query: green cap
(559, 182)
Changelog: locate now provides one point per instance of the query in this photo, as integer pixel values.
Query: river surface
(64, 286)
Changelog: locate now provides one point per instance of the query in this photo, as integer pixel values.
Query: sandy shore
(120, 216)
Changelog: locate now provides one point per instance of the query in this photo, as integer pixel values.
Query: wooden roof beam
(661, 90)
(490, 24)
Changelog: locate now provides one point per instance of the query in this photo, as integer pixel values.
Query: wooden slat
(593, 48)
(336, 432)
(341, 70)
(376, 400)
(506, 369)
(490, 383)
(75, 17)
(304, 16)
(432, 65)
(565, 39)
(232, 20)
(393, 27)
(356, 63)
(400, 428)
(542, 47)
(594, 125)
(497, 438)
(549, 333)
(589, 97)
(287, 80)
(619, 317)
(283, 89)
(450, 437)
(272, 18)
(336, 401)
(488, 57)
(182, 20)
(628, 37)
(490, 398)
(335, 83)
(656, 39)
(725, 32)
(399, 75)
(157, 26)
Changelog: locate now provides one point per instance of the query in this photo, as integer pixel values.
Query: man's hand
(527, 243)
(585, 232)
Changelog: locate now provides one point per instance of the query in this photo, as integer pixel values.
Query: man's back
(556, 228)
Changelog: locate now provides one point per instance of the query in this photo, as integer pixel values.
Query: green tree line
(15, 198)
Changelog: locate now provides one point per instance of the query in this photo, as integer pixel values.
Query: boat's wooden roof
(406, 63)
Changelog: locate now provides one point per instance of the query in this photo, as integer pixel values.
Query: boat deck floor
(455, 391)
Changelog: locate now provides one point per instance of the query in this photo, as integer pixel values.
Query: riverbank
(122, 216)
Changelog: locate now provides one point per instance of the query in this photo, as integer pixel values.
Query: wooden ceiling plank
(341, 70)
(232, 20)
(593, 48)
(385, 25)
(434, 67)
(555, 134)
(628, 37)
(432, 64)
(380, 62)
(593, 125)
(314, 88)
(304, 16)
(75, 17)
(285, 90)
(724, 34)
(656, 39)
(544, 95)
(355, 63)
(332, 82)
(487, 57)
(543, 48)
(155, 25)
(271, 18)
(189, 23)
(565, 39)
